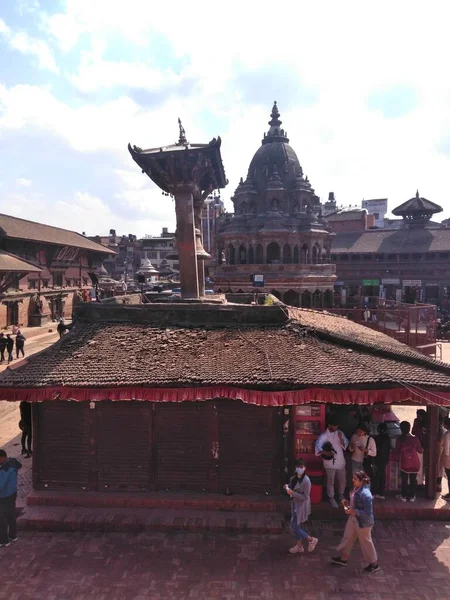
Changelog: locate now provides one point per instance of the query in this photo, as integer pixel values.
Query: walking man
(9, 347)
(20, 343)
(8, 497)
(25, 426)
(330, 446)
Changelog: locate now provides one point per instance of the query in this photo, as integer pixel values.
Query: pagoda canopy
(264, 355)
(417, 210)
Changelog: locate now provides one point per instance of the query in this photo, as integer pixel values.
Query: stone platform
(167, 511)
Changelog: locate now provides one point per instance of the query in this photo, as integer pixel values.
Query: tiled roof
(309, 349)
(13, 227)
(387, 241)
(11, 262)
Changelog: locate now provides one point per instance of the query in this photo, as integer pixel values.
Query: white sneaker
(413, 499)
(333, 503)
(381, 497)
(296, 549)
(399, 497)
(312, 544)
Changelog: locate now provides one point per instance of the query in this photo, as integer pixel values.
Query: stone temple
(277, 229)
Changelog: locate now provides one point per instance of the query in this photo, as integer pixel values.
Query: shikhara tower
(277, 229)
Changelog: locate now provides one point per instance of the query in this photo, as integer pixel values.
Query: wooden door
(62, 443)
(182, 446)
(250, 448)
(124, 446)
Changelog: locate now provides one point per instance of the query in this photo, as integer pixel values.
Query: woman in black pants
(380, 462)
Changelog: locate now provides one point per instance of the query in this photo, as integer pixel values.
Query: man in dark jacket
(9, 347)
(381, 460)
(8, 497)
(2, 347)
(20, 343)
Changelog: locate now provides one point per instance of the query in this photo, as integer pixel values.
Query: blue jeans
(297, 531)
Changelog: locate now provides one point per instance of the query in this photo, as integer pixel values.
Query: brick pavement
(415, 560)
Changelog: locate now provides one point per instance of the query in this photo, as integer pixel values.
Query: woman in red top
(408, 449)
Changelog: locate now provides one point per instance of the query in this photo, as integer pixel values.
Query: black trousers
(8, 527)
(26, 439)
(409, 484)
(379, 478)
(19, 348)
(2, 354)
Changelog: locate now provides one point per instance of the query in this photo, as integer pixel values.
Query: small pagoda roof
(418, 205)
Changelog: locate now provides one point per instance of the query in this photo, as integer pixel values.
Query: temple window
(273, 254)
(296, 255)
(242, 255)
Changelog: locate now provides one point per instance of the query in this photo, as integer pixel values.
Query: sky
(361, 87)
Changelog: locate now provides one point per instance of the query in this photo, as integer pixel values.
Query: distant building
(41, 269)
(407, 263)
(350, 219)
(161, 251)
(377, 208)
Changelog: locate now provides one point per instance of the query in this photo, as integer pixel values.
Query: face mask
(300, 470)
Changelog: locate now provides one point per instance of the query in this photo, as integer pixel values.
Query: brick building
(42, 267)
(407, 263)
(276, 230)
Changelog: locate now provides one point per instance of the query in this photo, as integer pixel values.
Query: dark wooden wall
(217, 446)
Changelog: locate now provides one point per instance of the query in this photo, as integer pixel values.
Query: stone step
(58, 518)
(174, 500)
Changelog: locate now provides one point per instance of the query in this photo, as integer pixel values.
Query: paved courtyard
(415, 560)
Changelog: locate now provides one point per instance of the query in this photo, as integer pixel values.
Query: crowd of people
(7, 343)
(369, 460)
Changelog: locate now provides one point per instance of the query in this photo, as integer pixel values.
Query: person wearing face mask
(330, 445)
(299, 490)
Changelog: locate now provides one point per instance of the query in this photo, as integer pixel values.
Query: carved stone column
(184, 208)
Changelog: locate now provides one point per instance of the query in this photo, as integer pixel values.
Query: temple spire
(417, 194)
(182, 141)
(275, 114)
(275, 133)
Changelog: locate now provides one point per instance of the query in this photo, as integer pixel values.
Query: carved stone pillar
(184, 208)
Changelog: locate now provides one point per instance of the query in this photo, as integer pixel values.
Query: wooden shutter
(124, 446)
(63, 445)
(182, 441)
(249, 448)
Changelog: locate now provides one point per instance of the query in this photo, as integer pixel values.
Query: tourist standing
(20, 343)
(2, 347)
(363, 449)
(9, 347)
(381, 460)
(26, 428)
(8, 496)
(446, 455)
(359, 524)
(299, 490)
(330, 445)
(408, 449)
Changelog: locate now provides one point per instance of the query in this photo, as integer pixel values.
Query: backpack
(409, 459)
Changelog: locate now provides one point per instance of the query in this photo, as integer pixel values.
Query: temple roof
(297, 349)
(13, 227)
(391, 241)
(417, 204)
(11, 262)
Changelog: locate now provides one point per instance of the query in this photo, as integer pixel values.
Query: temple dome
(275, 154)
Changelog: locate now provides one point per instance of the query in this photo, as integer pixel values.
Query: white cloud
(29, 46)
(23, 182)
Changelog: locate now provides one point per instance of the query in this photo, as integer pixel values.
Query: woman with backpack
(408, 449)
(299, 490)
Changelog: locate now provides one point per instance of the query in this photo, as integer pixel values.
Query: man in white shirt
(330, 445)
